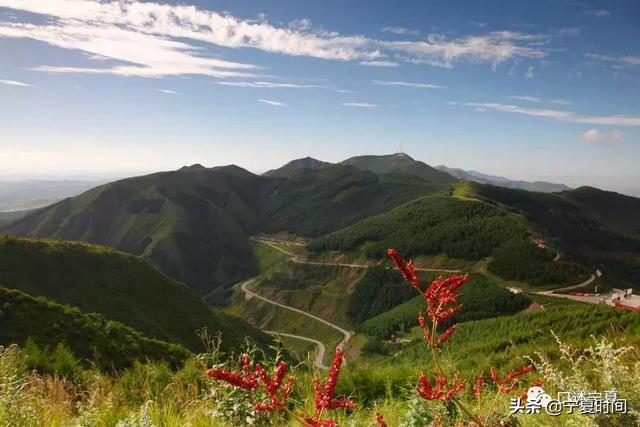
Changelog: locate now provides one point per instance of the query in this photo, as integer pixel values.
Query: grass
(91, 337)
(119, 286)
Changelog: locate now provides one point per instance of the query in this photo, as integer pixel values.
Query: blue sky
(530, 90)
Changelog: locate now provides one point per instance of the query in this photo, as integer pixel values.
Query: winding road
(296, 259)
(319, 361)
(568, 288)
(321, 349)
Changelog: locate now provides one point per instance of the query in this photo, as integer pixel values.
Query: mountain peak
(294, 165)
(403, 156)
(195, 166)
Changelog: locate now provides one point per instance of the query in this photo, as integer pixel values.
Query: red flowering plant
(441, 299)
(277, 390)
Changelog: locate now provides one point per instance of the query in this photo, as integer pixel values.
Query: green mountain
(193, 224)
(89, 336)
(433, 224)
(597, 227)
(297, 164)
(119, 286)
(468, 175)
(315, 202)
(400, 163)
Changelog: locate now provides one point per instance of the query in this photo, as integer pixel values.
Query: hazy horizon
(108, 176)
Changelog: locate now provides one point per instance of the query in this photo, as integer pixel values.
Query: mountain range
(146, 252)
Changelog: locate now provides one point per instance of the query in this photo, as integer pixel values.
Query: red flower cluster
(380, 420)
(407, 269)
(442, 390)
(478, 386)
(272, 385)
(248, 380)
(439, 297)
(509, 382)
(324, 396)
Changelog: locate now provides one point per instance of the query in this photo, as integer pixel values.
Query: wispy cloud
(529, 73)
(493, 48)
(150, 39)
(168, 91)
(379, 63)
(270, 85)
(627, 60)
(538, 100)
(136, 54)
(562, 115)
(401, 31)
(598, 13)
(527, 98)
(272, 103)
(406, 84)
(15, 83)
(559, 102)
(359, 104)
(594, 135)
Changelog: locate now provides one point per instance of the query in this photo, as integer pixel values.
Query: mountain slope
(400, 163)
(433, 224)
(297, 164)
(541, 186)
(119, 286)
(597, 227)
(89, 336)
(312, 203)
(193, 224)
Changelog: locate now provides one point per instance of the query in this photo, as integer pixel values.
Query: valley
(205, 263)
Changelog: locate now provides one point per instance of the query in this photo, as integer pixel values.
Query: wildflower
(324, 396)
(408, 269)
(509, 383)
(380, 420)
(445, 335)
(478, 386)
(246, 381)
(441, 293)
(272, 385)
(442, 390)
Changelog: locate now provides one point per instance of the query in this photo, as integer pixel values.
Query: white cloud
(493, 48)
(168, 91)
(538, 100)
(269, 85)
(560, 102)
(207, 26)
(359, 104)
(138, 54)
(273, 103)
(627, 60)
(529, 73)
(562, 115)
(598, 13)
(401, 31)
(594, 135)
(15, 83)
(150, 39)
(379, 63)
(527, 98)
(406, 84)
